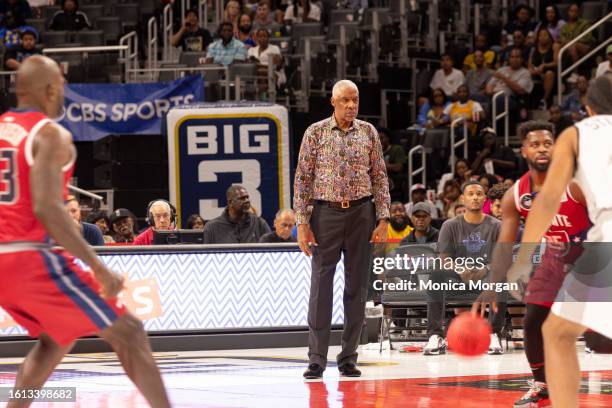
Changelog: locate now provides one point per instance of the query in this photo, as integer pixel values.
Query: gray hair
(340, 85)
(282, 211)
(160, 203)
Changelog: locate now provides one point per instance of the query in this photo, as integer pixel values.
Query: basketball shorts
(545, 282)
(45, 291)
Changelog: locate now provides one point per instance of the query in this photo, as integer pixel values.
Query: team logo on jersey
(526, 201)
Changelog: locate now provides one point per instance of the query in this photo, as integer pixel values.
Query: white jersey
(594, 173)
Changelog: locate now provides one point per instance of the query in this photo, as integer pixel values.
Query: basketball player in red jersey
(570, 225)
(42, 289)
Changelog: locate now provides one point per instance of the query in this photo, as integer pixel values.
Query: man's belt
(344, 204)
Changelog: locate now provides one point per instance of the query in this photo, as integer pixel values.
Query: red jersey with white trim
(571, 222)
(17, 220)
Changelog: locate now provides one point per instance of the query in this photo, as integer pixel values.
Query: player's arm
(548, 201)
(51, 151)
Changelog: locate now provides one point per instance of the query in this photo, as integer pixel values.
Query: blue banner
(93, 111)
(212, 146)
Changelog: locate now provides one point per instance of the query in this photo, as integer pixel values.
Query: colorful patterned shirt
(336, 165)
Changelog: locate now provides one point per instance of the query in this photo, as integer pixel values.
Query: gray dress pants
(339, 231)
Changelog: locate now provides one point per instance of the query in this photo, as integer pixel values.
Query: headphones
(151, 220)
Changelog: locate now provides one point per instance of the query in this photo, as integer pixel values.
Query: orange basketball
(469, 335)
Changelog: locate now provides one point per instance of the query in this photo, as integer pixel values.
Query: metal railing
(412, 172)
(561, 72)
(183, 70)
(463, 142)
(503, 115)
(152, 45)
(85, 193)
(203, 13)
(167, 23)
(129, 55)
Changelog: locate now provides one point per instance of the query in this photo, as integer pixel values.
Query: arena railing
(462, 142)
(412, 172)
(503, 115)
(562, 72)
(152, 44)
(169, 53)
(86, 193)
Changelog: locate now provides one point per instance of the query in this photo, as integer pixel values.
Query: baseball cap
(609, 49)
(120, 213)
(420, 207)
(418, 186)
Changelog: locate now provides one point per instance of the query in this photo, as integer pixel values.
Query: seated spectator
(244, 33)
(263, 18)
(514, 80)
(451, 195)
(69, 18)
(15, 55)
(307, 12)
(487, 181)
(476, 78)
(457, 209)
(263, 53)
(495, 195)
(605, 66)
(431, 114)
(447, 78)
(552, 21)
(522, 21)
(542, 64)
(520, 42)
(227, 49)
(399, 223)
(480, 45)
(123, 226)
(12, 29)
(395, 159)
(196, 222)
(465, 108)
(418, 194)
(90, 232)
(461, 173)
(472, 235)
(21, 7)
(284, 221)
(231, 14)
(161, 217)
(574, 104)
(573, 28)
(558, 119)
(423, 232)
(191, 37)
(236, 225)
(101, 220)
(502, 158)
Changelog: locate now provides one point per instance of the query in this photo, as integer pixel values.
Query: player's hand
(306, 239)
(111, 282)
(487, 297)
(380, 232)
(519, 274)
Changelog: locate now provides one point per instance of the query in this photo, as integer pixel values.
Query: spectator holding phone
(191, 37)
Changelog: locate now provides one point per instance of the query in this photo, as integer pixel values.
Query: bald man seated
(284, 222)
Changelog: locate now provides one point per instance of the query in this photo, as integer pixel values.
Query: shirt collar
(333, 124)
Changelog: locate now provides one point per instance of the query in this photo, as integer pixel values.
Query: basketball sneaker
(436, 345)
(536, 397)
(495, 347)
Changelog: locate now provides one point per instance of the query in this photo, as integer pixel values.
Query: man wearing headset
(160, 216)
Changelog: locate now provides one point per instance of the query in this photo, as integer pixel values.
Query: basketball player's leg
(38, 366)
(534, 342)
(561, 359)
(129, 340)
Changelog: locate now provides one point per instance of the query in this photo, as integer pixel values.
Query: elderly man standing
(341, 174)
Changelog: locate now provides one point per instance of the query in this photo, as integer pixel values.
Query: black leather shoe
(313, 371)
(349, 370)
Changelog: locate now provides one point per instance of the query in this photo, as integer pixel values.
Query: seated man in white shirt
(605, 66)
(447, 77)
(264, 54)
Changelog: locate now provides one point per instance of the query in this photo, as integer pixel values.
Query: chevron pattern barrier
(225, 290)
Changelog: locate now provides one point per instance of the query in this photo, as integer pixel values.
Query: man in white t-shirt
(447, 78)
(605, 66)
(262, 54)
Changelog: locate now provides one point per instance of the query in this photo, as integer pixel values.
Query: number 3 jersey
(18, 224)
